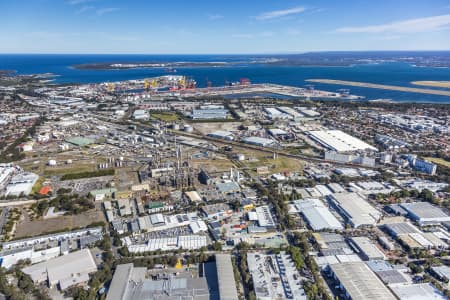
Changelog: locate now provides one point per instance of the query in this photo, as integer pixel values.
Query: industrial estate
(157, 189)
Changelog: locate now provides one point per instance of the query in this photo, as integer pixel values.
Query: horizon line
(236, 53)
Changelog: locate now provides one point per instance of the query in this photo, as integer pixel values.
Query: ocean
(390, 73)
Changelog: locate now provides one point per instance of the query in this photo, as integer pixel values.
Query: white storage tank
(188, 128)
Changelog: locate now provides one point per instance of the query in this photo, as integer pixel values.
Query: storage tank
(52, 162)
(188, 128)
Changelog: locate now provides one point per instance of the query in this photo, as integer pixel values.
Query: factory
(316, 214)
(339, 141)
(425, 213)
(358, 281)
(355, 209)
(64, 271)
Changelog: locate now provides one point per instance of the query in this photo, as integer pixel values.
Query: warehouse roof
(417, 292)
(65, 270)
(425, 212)
(367, 247)
(227, 284)
(356, 209)
(360, 282)
(339, 141)
(317, 214)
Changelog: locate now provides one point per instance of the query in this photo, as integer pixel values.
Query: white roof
(422, 291)
(317, 214)
(360, 282)
(64, 269)
(339, 141)
(356, 209)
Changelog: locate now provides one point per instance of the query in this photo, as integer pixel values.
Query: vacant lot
(26, 227)
(205, 128)
(439, 161)
(166, 117)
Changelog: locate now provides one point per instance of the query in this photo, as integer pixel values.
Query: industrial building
(131, 282)
(64, 271)
(225, 274)
(186, 242)
(412, 237)
(221, 134)
(355, 209)
(259, 141)
(420, 291)
(21, 184)
(75, 234)
(425, 213)
(317, 214)
(215, 282)
(359, 282)
(339, 141)
(269, 269)
(209, 114)
(217, 211)
(366, 249)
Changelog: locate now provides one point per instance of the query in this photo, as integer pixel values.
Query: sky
(222, 27)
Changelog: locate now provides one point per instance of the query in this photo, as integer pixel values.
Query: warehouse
(187, 242)
(131, 282)
(317, 214)
(258, 141)
(425, 213)
(64, 271)
(417, 291)
(339, 141)
(355, 209)
(21, 184)
(221, 134)
(209, 114)
(227, 284)
(268, 269)
(264, 217)
(359, 282)
(366, 249)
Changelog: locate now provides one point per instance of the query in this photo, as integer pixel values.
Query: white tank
(188, 128)
(52, 162)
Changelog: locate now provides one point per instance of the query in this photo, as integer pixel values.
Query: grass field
(439, 161)
(166, 117)
(278, 165)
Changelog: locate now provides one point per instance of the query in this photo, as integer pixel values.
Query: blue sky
(245, 26)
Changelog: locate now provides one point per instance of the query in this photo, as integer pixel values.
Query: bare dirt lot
(205, 128)
(26, 227)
